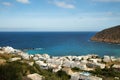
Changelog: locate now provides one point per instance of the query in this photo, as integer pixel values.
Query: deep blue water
(58, 43)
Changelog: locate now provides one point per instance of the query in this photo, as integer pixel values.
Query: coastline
(85, 63)
(58, 43)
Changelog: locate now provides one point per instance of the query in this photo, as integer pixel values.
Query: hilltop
(110, 35)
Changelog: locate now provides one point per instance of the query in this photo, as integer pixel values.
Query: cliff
(110, 35)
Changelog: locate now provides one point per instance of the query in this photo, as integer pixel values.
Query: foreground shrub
(15, 71)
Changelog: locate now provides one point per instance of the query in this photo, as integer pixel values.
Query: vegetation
(49, 75)
(75, 69)
(18, 70)
(5, 56)
(110, 73)
(111, 35)
(15, 71)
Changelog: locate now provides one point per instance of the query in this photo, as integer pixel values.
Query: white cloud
(23, 1)
(107, 0)
(63, 3)
(7, 3)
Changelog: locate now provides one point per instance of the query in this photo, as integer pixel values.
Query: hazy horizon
(58, 15)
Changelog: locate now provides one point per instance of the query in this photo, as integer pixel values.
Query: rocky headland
(110, 35)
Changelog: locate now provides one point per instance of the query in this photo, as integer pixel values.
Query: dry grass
(2, 61)
(116, 62)
(5, 56)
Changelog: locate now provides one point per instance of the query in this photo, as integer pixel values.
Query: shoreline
(37, 51)
(85, 63)
(59, 44)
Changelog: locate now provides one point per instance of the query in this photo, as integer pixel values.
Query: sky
(58, 15)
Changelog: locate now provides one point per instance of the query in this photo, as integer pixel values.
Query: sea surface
(58, 43)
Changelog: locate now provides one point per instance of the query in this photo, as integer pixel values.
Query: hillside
(17, 65)
(110, 35)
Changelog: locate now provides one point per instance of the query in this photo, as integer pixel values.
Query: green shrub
(10, 72)
(106, 72)
(49, 75)
(63, 75)
(75, 69)
(15, 71)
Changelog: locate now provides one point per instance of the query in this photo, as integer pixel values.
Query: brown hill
(110, 35)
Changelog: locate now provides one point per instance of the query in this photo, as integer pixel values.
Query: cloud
(23, 1)
(63, 4)
(7, 3)
(117, 14)
(106, 0)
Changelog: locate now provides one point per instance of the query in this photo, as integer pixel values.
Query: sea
(58, 43)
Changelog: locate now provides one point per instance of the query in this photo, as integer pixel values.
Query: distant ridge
(110, 35)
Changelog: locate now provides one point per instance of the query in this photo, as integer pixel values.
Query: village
(84, 63)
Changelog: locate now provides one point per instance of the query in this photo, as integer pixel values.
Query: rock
(116, 66)
(31, 63)
(42, 64)
(113, 58)
(38, 55)
(1, 52)
(24, 55)
(8, 49)
(107, 59)
(35, 76)
(75, 76)
(54, 61)
(118, 59)
(67, 70)
(15, 59)
(31, 56)
(35, 58)
(46, 56)
(56, 69)
(25, 78)
(101, 65)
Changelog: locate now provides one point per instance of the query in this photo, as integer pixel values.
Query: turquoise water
(58, 43)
